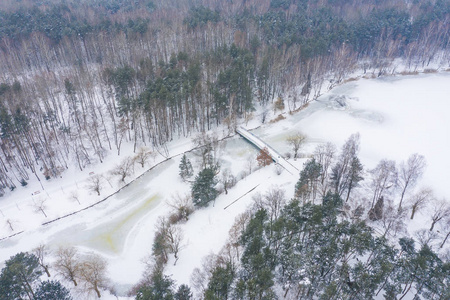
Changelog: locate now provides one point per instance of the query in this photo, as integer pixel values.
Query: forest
(80, 79)
(327, 242)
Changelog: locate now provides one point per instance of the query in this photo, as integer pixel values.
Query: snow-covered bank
(394, 116)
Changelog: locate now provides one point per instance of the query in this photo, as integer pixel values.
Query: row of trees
(21, 276)
(373, 191)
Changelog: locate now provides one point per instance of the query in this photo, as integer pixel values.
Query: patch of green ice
(111, 237)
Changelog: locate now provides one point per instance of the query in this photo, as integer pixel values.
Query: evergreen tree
(342, 170)
(186, 169)
(203, 189)
(219, 284)
(52, 290)
(183, 293)
(160, 288)
(354, 176)
(306, 186)
(256, 278)
(19, 276)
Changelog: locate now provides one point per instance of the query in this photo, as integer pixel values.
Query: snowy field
(395, 116)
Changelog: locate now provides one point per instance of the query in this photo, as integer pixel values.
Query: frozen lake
(395, 116)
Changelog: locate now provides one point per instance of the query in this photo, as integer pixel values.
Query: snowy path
(277, 157)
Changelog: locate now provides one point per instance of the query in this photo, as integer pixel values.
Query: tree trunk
(413, 211)
(446, 237)
(432, 225)
(46, 270)
(28, 288)
(97, 291)
(401, 198)
(43, 212)
(405, 292)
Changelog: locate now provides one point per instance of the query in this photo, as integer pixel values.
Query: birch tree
(409, 173)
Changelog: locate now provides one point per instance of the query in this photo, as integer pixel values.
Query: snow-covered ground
(395, 116)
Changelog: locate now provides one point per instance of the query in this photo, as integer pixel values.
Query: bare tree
(445, 230)
(160, 248)
(174, 236)
(392, 220)
(250, 164)
(95, 184)
(74, 196)
(240, 222)
(425, 237)
(440, 211)
(123, 128)
(272, 201)
(183, 207)
(384, 177)
(420, 200)
(41, 253)
(200, 277)
(67, 264)
(264, 116)
(93, 273)
(409, 174)
(10, 224)
(40, 206)
(324, 154)
(207, 145)
(231, 254)
(228, 180)
(124, 169)
(354, 209)
(278, 169)
(296, 140)
(142, 156)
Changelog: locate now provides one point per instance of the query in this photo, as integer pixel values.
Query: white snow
(395, 116)
(277, 157)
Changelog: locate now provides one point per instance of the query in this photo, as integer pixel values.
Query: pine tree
(309, 176)
(183, 293)
(340, 173)
(354, 176)
(160, 288)
(52, 290)
(18, 276)
(220, 283)
(203, 188)
(186, 169)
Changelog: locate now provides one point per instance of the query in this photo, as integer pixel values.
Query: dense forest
(80, 78)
